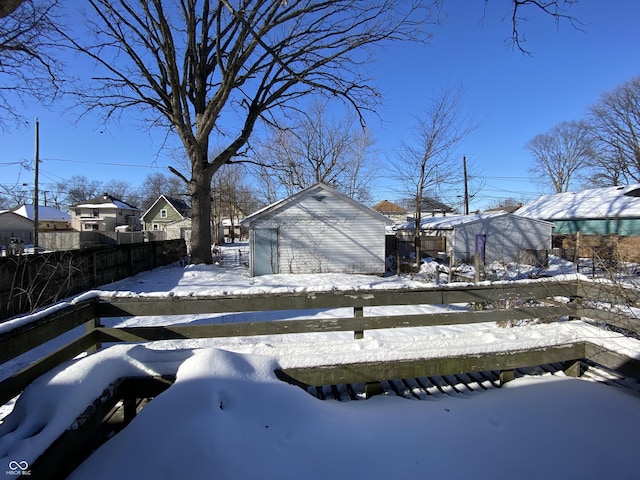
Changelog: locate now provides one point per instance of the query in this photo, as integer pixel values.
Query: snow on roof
(44, 213)
(608, 202)
(448, 222)
(105, 201)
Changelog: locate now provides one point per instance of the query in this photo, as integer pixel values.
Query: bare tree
(80, 188)
(15, 194)
(218, 67)
(29, 68)
(557, 9)
(425, 164)
(615, 122)
(314, 147)
(158, 183)
(204, 67)
(232, 199)
(560, 153)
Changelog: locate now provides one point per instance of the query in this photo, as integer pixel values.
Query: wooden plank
(430, 367)
(30, 335)
(612, 293)
(12, 386)
(616, 319)
(280, 327)
(627, 366)
(124, 306)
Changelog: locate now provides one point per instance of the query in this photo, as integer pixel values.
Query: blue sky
(515, 96)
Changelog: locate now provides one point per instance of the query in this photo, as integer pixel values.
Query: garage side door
(265, 251)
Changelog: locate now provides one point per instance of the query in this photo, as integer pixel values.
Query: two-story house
(104, 213)
(164, 213)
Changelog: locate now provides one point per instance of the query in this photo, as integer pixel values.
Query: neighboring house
(504, 208)
(49, 219)
(607, 219)
(396, 213)
(230, 231)
(17, 224)
(14, 227)
(104, 213)
(598, 211)
(165, 211)
(316, 230)
(430, 207)
(495, 237)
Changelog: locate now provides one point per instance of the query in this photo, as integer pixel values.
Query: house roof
(389, 208)
(449, 222)
(316, 188)
(179, 205)
(429, 204)
(105, 201)
(44, 213)
(608, 202)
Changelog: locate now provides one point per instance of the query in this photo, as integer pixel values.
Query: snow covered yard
(228, 417)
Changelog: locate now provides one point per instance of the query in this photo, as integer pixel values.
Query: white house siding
(320, 233)
(507, 238)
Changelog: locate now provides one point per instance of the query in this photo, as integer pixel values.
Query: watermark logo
(17, 467)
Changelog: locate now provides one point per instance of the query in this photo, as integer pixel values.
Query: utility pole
(36, 218)
(466, 188)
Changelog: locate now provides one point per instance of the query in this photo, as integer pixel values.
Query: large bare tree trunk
(200, 190)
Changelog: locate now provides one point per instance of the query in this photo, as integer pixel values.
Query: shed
(499, 236)
(317, 230)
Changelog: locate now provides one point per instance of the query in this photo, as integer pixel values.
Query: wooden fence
(505, 302)
(28, 282)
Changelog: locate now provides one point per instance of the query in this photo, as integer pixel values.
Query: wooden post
(507, 376)
(573, 369)
(476, 278)
(372, 388)
(91, 325)
(358, 312)
(129, 407)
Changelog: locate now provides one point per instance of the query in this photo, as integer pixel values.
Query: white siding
(322, 233)
(507, 238)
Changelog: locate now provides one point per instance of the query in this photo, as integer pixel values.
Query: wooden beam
(12, 386)
(30, 335)
(617, 319)
(134, 306)
(627, 366)
(426, 367)
(355, 324)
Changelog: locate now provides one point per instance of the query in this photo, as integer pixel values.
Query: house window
(163, 213)
(155, 226)
(95, 212)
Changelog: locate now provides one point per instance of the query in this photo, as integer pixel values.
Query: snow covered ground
(228, 417)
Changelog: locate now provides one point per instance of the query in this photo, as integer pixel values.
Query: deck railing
(497, 302)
